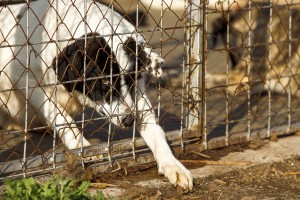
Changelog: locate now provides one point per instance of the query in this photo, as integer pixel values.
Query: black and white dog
(69, 41)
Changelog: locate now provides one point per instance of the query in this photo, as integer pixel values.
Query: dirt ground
(268, 180)
(262, 169)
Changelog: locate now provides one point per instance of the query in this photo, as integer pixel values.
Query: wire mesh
(230, 74)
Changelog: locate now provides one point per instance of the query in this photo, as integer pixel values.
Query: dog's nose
(128, 119)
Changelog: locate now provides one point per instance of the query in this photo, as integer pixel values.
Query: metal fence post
(195, 67)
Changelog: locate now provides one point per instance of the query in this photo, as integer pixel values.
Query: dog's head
(106, 78)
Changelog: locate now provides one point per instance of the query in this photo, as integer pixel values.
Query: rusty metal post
(195, 67)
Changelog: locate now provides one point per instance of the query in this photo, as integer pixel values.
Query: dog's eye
(105, 81)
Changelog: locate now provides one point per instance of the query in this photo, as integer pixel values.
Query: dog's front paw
(177, 174)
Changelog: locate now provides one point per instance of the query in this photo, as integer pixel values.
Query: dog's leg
(56, 116)
(70, 135)
(154, 136)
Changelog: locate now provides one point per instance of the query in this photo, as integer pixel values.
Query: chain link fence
(230, 75)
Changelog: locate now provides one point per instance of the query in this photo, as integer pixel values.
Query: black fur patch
(129, 47)
(101, 66)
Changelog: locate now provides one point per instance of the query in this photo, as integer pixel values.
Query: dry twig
(102, 185)
(201, 154)
(292, 173)
(210, 162)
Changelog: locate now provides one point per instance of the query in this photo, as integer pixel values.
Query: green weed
(55, 189)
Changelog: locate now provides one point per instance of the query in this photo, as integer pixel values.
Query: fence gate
(231, 74)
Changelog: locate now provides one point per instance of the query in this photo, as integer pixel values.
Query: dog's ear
(147, 59)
